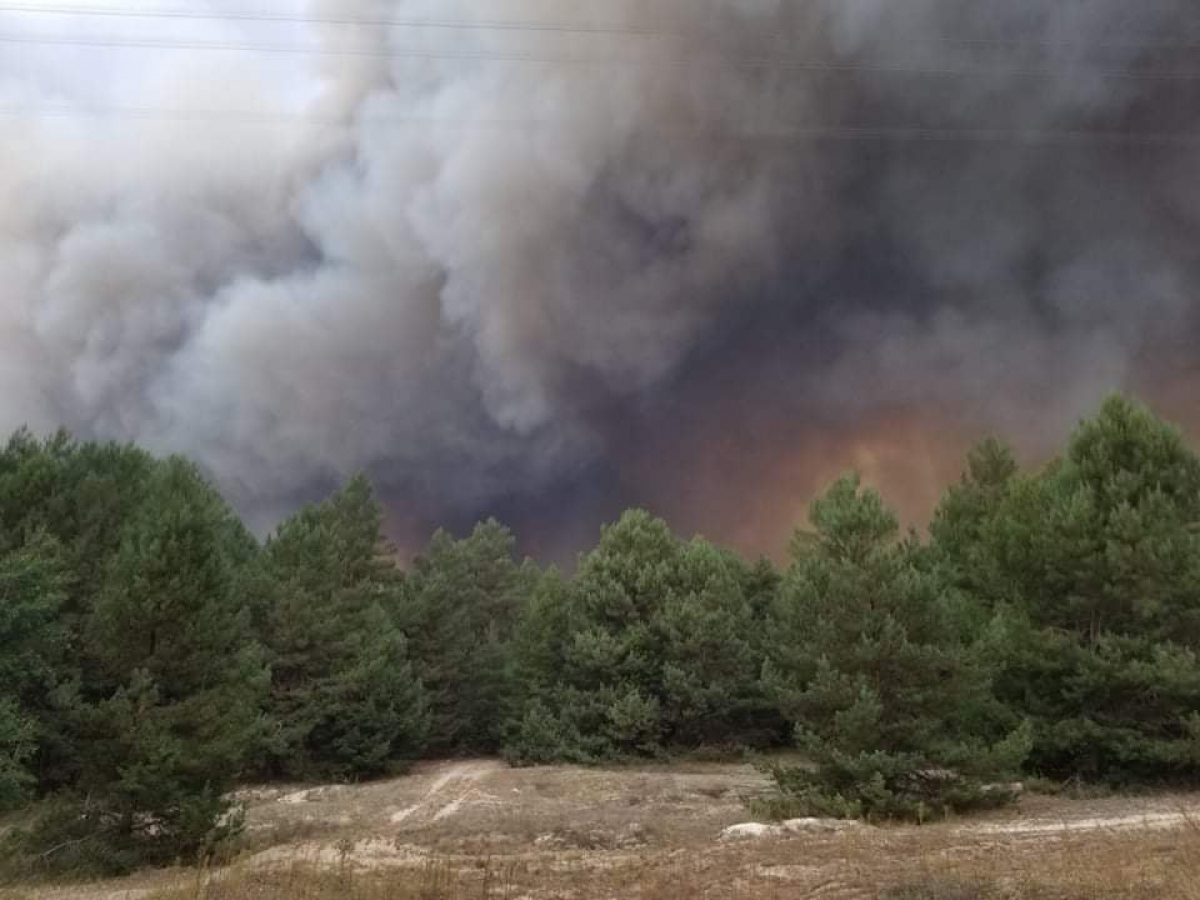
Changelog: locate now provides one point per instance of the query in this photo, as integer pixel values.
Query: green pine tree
(345, 701)
(80, 496)
(172, 702)
(653, 646)
(16, 748)
(711, 651)
(461, 603)
(32, 590)
(1093, 565)
(885, 696)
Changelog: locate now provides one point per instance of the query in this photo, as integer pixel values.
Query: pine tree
(712, 651)
(884, 696)
(962, 520)
(32, 589)
(344, 701)
(16, 748)
(534, 733)
(172, 703)
(1094, 565)
(652, 646)
(80, 496)
(461, 603)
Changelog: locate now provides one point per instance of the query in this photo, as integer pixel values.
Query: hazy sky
(547, 260)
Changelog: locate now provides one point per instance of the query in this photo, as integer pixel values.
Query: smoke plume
(695, 254)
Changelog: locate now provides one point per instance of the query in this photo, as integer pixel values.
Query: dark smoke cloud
(699, 255)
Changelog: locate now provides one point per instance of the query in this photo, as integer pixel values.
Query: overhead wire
(146, 13)
(848, 133)
(789, 64)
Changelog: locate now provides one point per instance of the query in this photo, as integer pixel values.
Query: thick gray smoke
(498, 264)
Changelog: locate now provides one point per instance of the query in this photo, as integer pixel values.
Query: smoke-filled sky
(545, 260)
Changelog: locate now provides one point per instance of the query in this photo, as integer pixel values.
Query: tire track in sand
(458, 779)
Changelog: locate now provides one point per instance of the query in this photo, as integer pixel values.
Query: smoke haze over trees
(695, 255)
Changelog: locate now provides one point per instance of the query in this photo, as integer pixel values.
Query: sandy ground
(606, 819)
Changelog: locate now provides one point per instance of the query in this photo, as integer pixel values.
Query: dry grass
(909, 864)
(1142, 865)
(475, 830)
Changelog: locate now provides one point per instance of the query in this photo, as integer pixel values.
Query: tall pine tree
(345, 701)
(172, 700)
(1094, 566)
(885, 697)
(80, 496)
(32, 588)
(461, 602)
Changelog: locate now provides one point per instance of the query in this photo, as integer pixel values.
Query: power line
(813, 133)
(377, 22)
(530, 26)
(686, 62)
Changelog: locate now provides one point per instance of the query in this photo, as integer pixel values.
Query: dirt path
(1186, 817)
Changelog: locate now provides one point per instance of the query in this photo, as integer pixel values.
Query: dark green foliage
(79, 493)
(172, 702)
(535, 734)
(460, 606)
(887, 700)
(654, 644)
(712, 636)
(80, 496)
(32, 581)
(1093, 566)
(344, 700)
(16, 747)
(961, 524)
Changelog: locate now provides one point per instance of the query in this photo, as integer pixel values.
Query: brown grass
(475, 830)
(924, 864)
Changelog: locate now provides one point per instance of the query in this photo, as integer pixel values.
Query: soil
(604, 819)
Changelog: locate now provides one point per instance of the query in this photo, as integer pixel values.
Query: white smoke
(443, 253)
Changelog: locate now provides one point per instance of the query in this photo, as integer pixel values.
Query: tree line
(156, 654)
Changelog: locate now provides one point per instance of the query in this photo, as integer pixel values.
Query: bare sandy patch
(632, 831)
